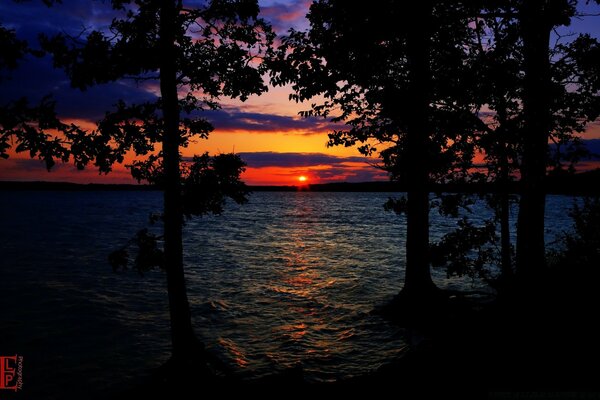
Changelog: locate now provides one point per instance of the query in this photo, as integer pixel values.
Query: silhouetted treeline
(581, 184)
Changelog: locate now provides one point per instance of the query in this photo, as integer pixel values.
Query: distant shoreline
(585, 183)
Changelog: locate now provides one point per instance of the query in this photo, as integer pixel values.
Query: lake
(286, 280)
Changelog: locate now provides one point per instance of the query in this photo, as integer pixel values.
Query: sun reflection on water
(295, 295)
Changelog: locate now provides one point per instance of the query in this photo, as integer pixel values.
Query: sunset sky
(277, 144)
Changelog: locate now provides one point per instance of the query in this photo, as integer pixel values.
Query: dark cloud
(284, 15)
(349, 174)
(37, 78)
(593, 146)
(273, 159)
(318, 166)
(30, 164)
(235, 119)
(15, 169)
(72, 17)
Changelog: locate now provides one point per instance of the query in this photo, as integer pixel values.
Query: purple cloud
(274, 159)
(235, 119)
(284, 15)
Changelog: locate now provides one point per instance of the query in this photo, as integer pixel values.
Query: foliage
(148, 253)
(467, 250)
(218, 47)
(209, 181)
(579, 249)
(576, 85)
(355, 58)
(498, 60)
(13, 49)
(33, 128)
(206, 183)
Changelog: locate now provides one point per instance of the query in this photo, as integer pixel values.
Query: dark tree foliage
(398, 77)
(574, 259)
(33, 130)
(580, 248)
(425, 87)
(207, 181)
(13, 49)
(467, 251)
(498, 58)
(537, 93)
(196, 54)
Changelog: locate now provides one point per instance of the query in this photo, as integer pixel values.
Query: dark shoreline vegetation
(579, 184)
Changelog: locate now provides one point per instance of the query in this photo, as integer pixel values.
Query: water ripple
(286, 281)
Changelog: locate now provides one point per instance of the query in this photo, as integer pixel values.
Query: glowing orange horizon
(20, 167)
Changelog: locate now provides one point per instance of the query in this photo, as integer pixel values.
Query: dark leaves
(206, 184)
(28, 127)
(208, 181)
(579, 249)
(399, 206)
(148, 253)
(467, 250)
(12, 51)
(218, 49)
(118, 259)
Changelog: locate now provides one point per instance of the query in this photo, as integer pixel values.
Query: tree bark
(182, 334)
(504, 180)
(505, 250)
(536, 108)
(418, 280)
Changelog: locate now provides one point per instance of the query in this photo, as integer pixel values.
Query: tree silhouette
(498, 59)
(396, 75)
(537, 18)
(537, 93)
(196, 54)
(497, 63)
(545, 97)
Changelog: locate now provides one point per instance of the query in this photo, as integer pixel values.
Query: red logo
(11, 372)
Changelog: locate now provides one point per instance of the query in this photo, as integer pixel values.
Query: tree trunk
(182, 334)
(504, 177)
(418, 276)
(505, 248)
(536, 108)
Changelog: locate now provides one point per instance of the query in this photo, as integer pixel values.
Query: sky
(278, 145)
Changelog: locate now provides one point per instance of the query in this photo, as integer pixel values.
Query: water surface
(287, 280)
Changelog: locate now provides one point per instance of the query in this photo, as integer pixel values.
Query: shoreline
(581, 184)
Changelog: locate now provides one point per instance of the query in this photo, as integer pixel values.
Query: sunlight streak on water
(303, 280)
